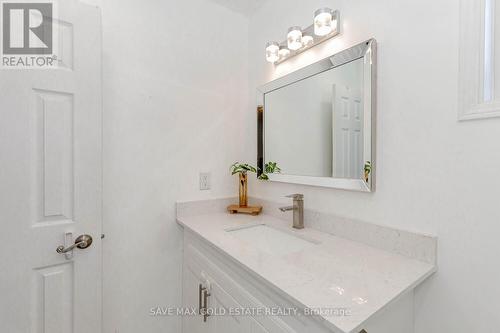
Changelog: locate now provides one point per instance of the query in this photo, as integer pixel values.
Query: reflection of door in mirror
(347, 132)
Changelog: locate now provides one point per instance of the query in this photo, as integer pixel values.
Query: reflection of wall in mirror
(298, 128)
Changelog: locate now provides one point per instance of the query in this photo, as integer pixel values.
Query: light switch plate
(204, 181)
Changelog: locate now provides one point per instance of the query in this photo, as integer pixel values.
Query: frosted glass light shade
(284, 52)
(307, 40)
(272, 52)
(323, 22)
(294, 38)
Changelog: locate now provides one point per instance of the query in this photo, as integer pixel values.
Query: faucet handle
(296, 196)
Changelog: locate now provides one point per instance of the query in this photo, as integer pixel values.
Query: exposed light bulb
(307, 40)
(284, 52)
(323, 22)
(272, 52)
(294, 38)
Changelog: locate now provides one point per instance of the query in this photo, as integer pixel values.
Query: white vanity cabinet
(230, 287)
(203, 287)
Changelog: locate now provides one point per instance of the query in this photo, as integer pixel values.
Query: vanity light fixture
(284, 52)
(272, 51)
(294, 38)
(326, 24)
(307, 40)
(324, 21)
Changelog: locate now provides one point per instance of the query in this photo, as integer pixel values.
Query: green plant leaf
(269, 167)
(238, 167)
(263, 176)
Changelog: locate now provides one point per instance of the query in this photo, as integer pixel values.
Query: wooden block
(252, 210)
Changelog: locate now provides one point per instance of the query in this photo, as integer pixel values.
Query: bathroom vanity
(258, 274)
(253, 274)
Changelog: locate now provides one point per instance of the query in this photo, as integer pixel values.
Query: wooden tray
(252, 210)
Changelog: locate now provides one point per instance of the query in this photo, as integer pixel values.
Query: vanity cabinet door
(255, 327)
(225, 320)
(217, 301)
(229, 322)
(201, 265)
(190, 300)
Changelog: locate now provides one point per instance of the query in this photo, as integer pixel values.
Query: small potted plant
(242, 169)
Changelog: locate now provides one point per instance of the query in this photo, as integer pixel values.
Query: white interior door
(50, 184)
(347, 133)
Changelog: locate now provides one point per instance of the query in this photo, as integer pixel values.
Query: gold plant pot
(243, 189)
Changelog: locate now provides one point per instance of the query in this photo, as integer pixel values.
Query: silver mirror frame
(366, 50)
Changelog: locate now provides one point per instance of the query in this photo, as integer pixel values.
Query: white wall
(435, 175)
(175, 89)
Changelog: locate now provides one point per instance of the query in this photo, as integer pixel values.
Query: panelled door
(50, 184)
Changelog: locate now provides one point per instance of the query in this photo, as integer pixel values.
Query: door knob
(81, 242)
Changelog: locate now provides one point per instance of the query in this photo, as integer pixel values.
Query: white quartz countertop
(332, 273)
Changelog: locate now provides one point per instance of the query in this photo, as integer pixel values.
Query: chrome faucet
(298, 210)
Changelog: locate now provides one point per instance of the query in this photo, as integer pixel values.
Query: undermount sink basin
(270, 240)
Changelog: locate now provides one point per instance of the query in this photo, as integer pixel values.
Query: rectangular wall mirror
(318, 123)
